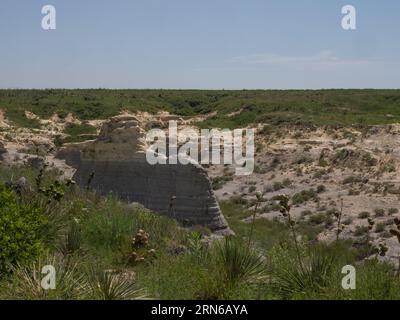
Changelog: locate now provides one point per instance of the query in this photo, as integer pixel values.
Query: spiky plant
(26, 281)
(238, 262)
(111, 285)
(290, 278)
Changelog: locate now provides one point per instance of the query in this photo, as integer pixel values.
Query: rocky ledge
(116, 163)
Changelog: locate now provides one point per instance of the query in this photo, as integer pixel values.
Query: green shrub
(320, 218)
(341, 155)
(219, 182)
(361, 231)
(277, 186)
(20, 227)
(353, 179)
(304, 196)
(379, 212)
(347, 221)
(280, 185)
(364, 215)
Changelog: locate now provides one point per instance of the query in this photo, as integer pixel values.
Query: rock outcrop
(117, 162)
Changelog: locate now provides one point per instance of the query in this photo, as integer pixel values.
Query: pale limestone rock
(118, 160)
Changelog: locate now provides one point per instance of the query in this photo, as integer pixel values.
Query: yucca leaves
(110, 285)
(238, 262)
(289, 278)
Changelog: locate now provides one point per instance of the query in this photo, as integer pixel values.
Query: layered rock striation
(116, 163)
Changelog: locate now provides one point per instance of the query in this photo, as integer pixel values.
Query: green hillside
(303, 107)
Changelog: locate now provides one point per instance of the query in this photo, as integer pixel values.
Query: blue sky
(204, 44)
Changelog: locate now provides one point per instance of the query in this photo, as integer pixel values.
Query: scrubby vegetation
(103, 248)
(79, 132)
(279, 108)
(90, 240)
(21, 226)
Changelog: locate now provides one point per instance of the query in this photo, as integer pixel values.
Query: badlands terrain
(335, 154)
(324, 170)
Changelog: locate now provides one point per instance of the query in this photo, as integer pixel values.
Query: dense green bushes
(20, 226)
(276, 107)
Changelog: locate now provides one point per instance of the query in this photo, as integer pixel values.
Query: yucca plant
(26, 282)
(238, 262)
(289, 278)
(111, 285)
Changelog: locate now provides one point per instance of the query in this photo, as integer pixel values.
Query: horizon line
(196, 89)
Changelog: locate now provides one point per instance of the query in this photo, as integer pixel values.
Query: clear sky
(204, 44)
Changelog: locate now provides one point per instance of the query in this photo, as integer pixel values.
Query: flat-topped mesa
(118, 160)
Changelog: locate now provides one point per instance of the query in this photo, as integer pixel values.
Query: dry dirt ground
(324, 171)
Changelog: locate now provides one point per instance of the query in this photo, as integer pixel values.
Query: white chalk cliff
(118, 160)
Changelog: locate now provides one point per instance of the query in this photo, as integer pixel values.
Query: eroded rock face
(118, 160)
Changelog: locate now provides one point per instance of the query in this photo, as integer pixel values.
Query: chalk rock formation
(118, 160)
